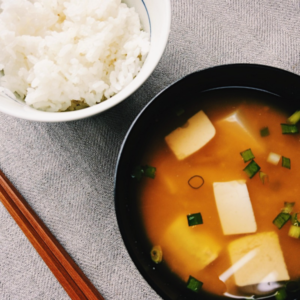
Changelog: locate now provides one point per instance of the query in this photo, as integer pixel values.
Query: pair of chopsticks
(73, 280)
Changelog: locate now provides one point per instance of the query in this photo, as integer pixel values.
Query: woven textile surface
(65, 171)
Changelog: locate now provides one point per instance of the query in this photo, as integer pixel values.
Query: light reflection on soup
(263, 257)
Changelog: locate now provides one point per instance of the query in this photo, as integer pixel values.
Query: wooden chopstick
(70, 276)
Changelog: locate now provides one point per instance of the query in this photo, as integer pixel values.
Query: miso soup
(218, 194)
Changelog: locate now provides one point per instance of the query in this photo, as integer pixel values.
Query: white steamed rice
(56, 51)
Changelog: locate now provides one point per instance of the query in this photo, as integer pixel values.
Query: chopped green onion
(295, 220)
(263, 177)
(281, 219)
(140, 171)
(252, 168)
(156, 254)
(288, 207)
(247, 155)
(149, 171)
(294, 231)
(194, 284)
(289, 128)
(2, 73)
(195, 219)
(196, 181)
(286, 162)
(264, 132)
(137, 173)
(281, 294)
(17, 95)
(295, 117)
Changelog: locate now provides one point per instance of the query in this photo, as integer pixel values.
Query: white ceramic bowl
(156, 18)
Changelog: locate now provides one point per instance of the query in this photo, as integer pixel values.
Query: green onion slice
(247, 155)
(137, 173)
(294, 231)
(18, 96)
(281, 219)
(289, 128)
(149, 171)
(195, 219)
(286, 162)
(140, 171)
(2, 72)
(156, 254)
(264, 132)
(263, 177)
(194, 284)
(288, 207)
(295, 219)
(196, 182)
(281, 294)
(294, 118)
(252, 168)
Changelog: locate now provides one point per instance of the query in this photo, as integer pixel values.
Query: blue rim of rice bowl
(5, 94)
(147, 15)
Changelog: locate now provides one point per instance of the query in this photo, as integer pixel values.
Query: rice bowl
(69, 81)
(85, 52)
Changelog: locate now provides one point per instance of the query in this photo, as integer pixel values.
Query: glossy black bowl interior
(282, 86)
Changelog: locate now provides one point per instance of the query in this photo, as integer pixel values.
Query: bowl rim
(125, 239)
(134, 85)
(183, 78)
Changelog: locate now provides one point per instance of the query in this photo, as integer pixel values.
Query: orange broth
(169, 198)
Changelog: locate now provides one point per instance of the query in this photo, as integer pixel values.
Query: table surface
(66, 171)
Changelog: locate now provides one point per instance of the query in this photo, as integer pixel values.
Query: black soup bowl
(277, 86)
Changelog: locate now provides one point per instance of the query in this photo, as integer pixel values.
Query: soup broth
(237, 250)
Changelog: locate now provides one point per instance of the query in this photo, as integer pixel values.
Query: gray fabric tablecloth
(66, 171)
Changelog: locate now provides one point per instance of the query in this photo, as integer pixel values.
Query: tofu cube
(234, 207)
(196, 133)
(191, 248)
(239, 128)
(266, 265)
